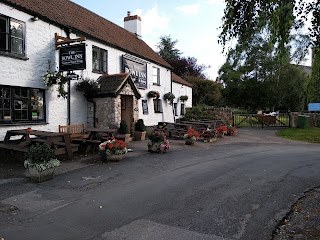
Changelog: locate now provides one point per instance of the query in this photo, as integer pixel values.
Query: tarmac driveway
(236, 188)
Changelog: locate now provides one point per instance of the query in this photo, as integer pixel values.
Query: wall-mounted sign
(145, 107)
(312, 107)
(137, 69)
(72, 57)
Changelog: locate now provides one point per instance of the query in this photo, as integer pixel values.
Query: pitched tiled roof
(112, 85)
(180, 80)
(65, 13)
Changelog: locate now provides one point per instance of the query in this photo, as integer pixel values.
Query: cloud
(192, 9)
(152, 21)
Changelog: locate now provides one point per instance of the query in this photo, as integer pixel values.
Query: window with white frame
(157, 105)
(12, 36)
(156, 76)
(99, 60)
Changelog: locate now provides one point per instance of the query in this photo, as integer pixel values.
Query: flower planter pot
(114, 158)
(210, 140)
(220, 134)
(139, 136)
(158, 147)
(190, 142)
(40, 176)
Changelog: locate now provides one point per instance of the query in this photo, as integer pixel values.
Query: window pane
(4, 33)
(4, 42)
(95, 59)
(17, 45)
(6, 92)
(17, 115)
(17, 92)
(16, 29)
(17, 105)
(104, 61)
(24, 92)
(6, 104)
(24, 114)
(37, 107)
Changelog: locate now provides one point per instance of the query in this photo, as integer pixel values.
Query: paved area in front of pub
(236, 188)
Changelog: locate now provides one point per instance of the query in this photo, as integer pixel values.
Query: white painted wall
(180, 90)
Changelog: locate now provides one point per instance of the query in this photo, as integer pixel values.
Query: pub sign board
(137, 70)
(72, 57)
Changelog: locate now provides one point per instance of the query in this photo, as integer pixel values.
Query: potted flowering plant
(222, 130)
(41, 162)
(158, 142)
(191, 136)
(231, 130)
(112, 150)
(153, 94)
(209, 135)
(51, 78)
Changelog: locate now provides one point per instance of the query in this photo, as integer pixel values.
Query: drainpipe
(174, 115)
(69, 102)
(94, 110)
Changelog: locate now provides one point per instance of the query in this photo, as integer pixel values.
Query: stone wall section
(314, 119)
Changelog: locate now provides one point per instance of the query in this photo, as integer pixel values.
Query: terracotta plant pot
(139, 136)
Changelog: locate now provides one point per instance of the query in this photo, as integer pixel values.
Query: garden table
(94, 138)
(59, 142)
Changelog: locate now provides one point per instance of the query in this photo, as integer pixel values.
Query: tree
(167, 50)
(244, 19)
(256, 78)
(205, 91)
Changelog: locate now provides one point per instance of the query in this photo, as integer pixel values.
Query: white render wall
(42, 56)
(180, 90)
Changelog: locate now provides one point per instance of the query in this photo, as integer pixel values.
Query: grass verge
(311, 135)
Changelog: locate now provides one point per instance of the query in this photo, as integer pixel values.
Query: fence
(258, 120)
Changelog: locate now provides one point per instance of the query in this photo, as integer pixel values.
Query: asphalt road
(236, 189)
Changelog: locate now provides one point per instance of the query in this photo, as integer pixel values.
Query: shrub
(139, 126)
(123, 128)
(41, 157)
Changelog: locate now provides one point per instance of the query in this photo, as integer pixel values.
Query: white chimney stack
(133, 24)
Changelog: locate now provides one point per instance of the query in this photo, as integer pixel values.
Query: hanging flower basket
(183, 98)
(52, 78)
(169, 97)
(153, 94)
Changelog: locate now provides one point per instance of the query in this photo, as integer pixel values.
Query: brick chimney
(133, 24)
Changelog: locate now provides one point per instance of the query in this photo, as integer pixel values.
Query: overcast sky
(193, 23)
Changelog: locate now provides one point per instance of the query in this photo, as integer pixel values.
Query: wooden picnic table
(94, 139)
(59, 142)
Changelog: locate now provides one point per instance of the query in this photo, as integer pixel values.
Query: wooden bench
(77, 132)
(13, 147)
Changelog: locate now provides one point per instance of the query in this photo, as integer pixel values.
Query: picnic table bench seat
(14, 147)
(74, 147)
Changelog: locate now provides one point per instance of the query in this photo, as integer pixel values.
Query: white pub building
(37, 37)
